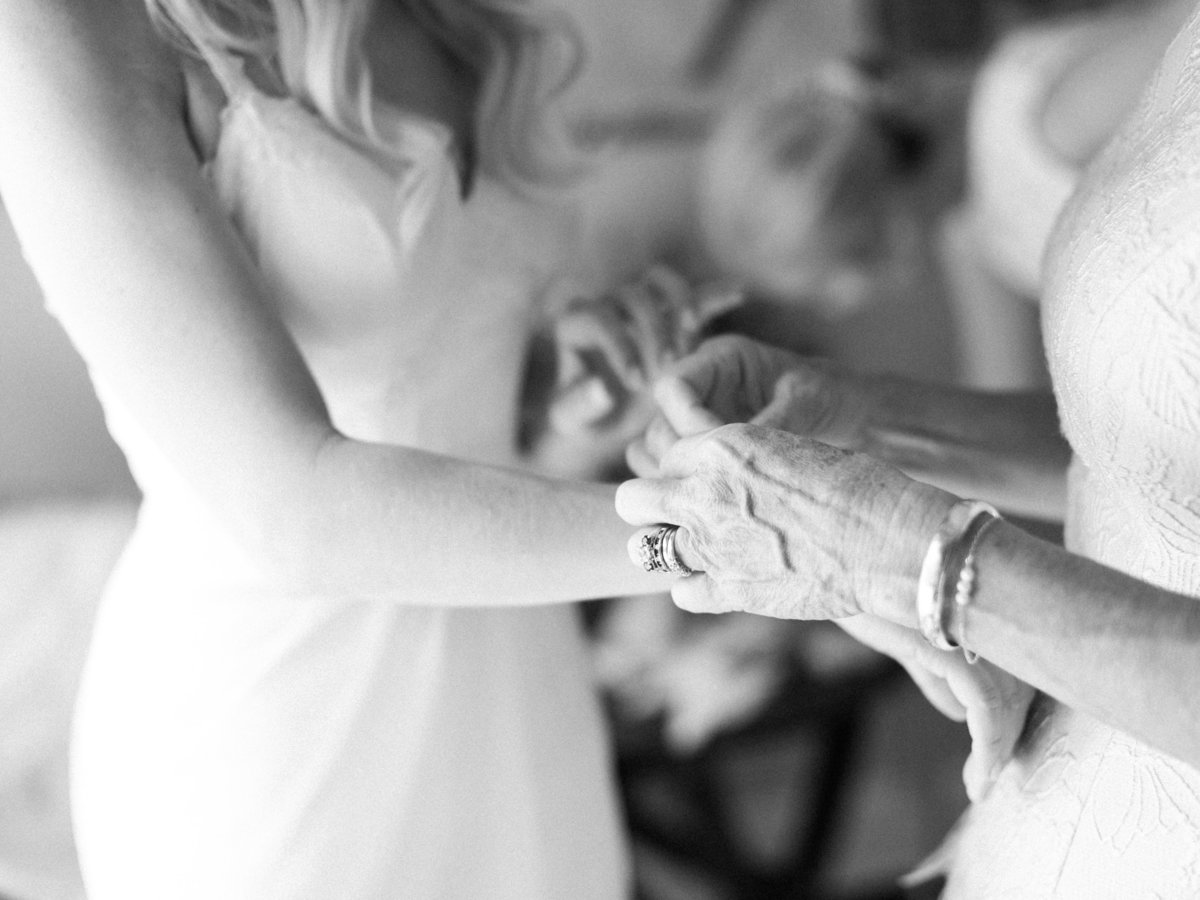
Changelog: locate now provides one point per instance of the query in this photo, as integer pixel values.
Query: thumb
(795, 403)
(682, 408)
(995, 724)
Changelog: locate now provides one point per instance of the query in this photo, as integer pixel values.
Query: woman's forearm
(1005, 448)
(370, 519)
(1094, 638)
(159, 294)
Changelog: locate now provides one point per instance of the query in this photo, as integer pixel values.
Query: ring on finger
(650, 553)
(656, 552)
(674, 566)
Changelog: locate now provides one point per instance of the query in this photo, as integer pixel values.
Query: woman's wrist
(908, 527)
(947, 580)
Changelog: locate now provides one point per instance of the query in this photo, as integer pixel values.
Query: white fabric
(1018, 185)
(54, 559)
(234, 741)
(1085, 811)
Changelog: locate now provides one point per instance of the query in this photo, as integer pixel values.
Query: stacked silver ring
(656, 552)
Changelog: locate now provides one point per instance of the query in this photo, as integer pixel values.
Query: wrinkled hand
(992, 702)
(736, 379)
(784, 526)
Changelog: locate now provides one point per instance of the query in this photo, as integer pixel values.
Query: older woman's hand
(611, 348)
(992, 702)
(736, 379)
(588, 378)
(786, 526)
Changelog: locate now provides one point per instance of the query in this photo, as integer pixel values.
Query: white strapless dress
(234, 741)
(1085, 812)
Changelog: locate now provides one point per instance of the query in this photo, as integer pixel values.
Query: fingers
(714, 300)
(643, 454)
(730, 375)
(671, 296)
(992, 702)
(781, 411)
(684, 551)
(707, 365)
(802, 401)
(644, 501)
(697, 594)
(997, 704)
(667, 316)
(682, 410)
(640, 460)
(649, 500)
(580, 405)
(652, 329)
(938, 693)
(591, 330)
(909, 649)
(660, 436)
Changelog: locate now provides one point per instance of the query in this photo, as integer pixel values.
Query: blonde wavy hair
(523, 56)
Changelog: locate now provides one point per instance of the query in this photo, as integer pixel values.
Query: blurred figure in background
(805, 193)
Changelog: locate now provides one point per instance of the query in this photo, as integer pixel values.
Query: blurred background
(815, 151)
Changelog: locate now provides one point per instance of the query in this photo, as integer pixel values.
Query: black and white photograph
(599, 449)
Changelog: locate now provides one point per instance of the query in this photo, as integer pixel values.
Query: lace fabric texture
(1086, 811)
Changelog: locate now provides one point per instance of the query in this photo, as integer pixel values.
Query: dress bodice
(1122, 325)
(1084, 810)
(320, 745)
(362, 256)
(410, 305)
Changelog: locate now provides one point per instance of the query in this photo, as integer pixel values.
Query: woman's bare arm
(1094, 638)
(1003, 447)
(160, 296)
(1006, 448)
(785, 526)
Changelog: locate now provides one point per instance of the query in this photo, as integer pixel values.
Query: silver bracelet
(937, 595)
(964, 586)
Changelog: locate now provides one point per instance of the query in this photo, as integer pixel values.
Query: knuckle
(732, 436)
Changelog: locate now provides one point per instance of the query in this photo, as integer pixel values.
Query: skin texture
(102, 181)
(780, 525)
(1006, 448)
(855, 529)
(777, 522)
(594, 362)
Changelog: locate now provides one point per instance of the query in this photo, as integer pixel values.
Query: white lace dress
(1085, 812)
(237, 741)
